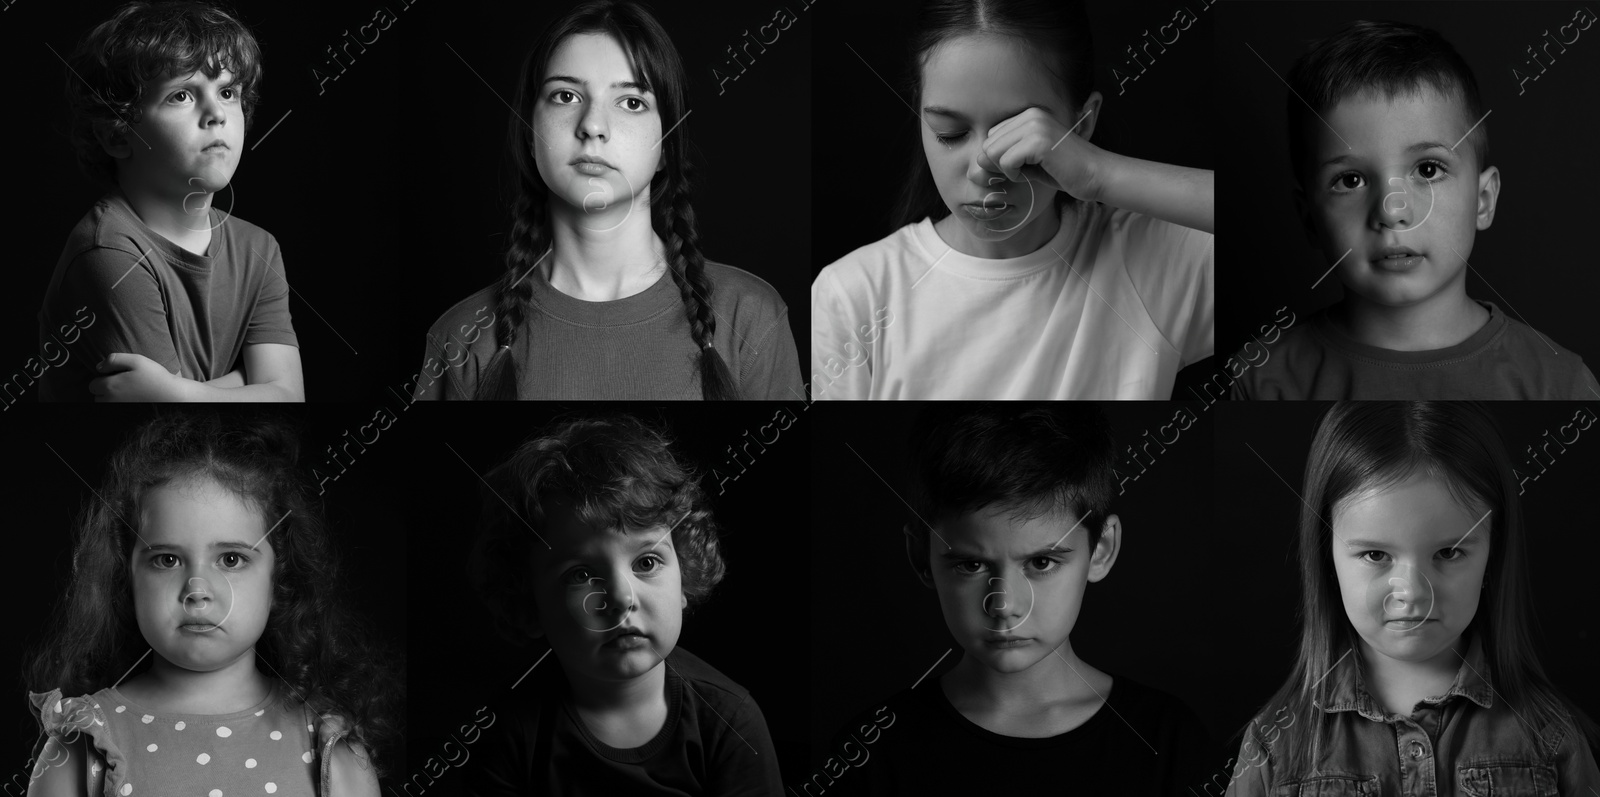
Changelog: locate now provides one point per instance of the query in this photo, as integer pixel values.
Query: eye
(1368, 557)
(580, 575)
(1451, 554)
(238, 560)
(559, 93)
(649, 563)
(967, 568)
(950, 138)
(159, 561)
(1044, 564)
(230, 93)
(1432, 171)
(179, 96)
(1349, 181)
(642, 106)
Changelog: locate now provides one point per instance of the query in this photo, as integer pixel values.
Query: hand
(135, 377)
(1033, 145)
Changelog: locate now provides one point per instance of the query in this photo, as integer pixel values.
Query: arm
(1176, 194)
(350, 773)
(273, 368)
(234, 378)
(62, 771)
(841, 367)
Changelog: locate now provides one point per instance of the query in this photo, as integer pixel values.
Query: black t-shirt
(714, 742)
(1141, 742)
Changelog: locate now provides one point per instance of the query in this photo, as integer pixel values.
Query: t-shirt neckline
(641, 306)
(261, 707)
(946, 258)
(1474, 343)
(944, 704)
(173, 252)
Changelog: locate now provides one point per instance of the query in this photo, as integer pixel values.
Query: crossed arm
(271, 373)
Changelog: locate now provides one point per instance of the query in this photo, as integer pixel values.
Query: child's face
(611, 603)
(201, 593)
(1397, 186)
(969, 85)
(1011, 589)
(1410, 562)
(589, 106)
(190, 138)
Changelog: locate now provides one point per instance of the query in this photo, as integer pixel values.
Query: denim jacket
(1467, 742)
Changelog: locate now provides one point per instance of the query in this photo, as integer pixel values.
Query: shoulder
(1278, 363)
(739, 292)
(873, 262)
(1142, 238)
(477, 311)
(708, 682)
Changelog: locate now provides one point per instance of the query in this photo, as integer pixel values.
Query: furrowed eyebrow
(1421, 146)
(621, 84)
(214, 546)
(1464, 542)
(954, 114)
(961, 556)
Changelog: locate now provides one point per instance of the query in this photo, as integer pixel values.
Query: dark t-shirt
(1505, 359)
(120, 287)
(714, 742)
(636, 347)
(1141, 742)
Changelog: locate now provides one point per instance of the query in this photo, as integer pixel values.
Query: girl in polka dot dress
(202, 556)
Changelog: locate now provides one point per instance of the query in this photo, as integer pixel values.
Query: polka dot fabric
(275, 747)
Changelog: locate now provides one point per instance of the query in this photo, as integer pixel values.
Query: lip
(593, 161)
(1410, 622)
(199, 628)
(989, 212)
(1397, 258)
(1002, 642)
(628, 638)
(215, 144)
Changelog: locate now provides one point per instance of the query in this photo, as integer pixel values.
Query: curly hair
(311, 640)
(616, 473)
(657, 66)
(144, 42)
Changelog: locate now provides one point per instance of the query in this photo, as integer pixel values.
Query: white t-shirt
(1111, 308)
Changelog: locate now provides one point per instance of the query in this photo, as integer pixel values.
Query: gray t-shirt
(637, 347)
(144, 294)
(1504, 360)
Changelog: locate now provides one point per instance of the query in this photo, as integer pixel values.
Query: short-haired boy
(189, 302)
(1017, 501)
(1389, 145)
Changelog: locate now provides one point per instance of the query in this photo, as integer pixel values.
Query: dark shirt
(193, 314)
(636, 347)
(714, 742)
(1466, 742)
(1141, 742)
(1505, 359)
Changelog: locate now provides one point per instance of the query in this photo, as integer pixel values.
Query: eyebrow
(954, 555)
(955, 114)
(214, 546)
(1421, 146)
(1464, 542)
(621, 84)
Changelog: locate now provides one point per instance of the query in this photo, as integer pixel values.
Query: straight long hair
(1367, 445)
(1056, 29)
(657, 67)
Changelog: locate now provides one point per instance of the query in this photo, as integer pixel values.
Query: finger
(119, 361)
(100, 386)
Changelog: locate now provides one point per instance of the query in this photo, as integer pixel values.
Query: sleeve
(269, 318)
(449, 371)
(1576, 770)
(746, 763)
(769, 366)
(841, 367)
(499, 761)
(1173, 271)
(1250, 773)
(1587, 387)
(1193, 754)
(120, 289)
(63, 721)
(854, 746)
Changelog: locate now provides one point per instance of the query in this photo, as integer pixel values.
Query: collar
(1346, 685)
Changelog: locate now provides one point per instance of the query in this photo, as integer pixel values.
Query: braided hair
(658, 67)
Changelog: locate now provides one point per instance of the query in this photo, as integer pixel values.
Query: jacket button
(1416, 749)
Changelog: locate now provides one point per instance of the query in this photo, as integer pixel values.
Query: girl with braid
(606, 293)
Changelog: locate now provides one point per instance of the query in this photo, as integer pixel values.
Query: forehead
(570, 537)
(986, 77)
(994, 531)
(596, 58)
(1419, 511)
(194, 513)
(1379, 127)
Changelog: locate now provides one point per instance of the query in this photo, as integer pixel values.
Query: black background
(751, 629)
(366, 517)
(1532, 263)
(877, 630)
(320, 183)
(750, 146)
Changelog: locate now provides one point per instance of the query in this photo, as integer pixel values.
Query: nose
(611, 595)
(197, 596)
(1001, 603)
(1410, 592)
(211, 110)
(1395, 207)
(594, 123)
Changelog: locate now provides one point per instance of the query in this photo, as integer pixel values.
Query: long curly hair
(617, 473)
(657, 67)
(311, 640)
(143, 42)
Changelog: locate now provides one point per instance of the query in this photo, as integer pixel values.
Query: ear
(1088, 116)
(1488, 196)
(917, 555)
(1105, 551)
(115, 144)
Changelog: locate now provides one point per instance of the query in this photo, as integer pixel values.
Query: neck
(1031, 238)
(1440, 321)
(631, 694)
(604, 256)
(233, 687)
(1055, 678)
(184, 220)
(1398, 685)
